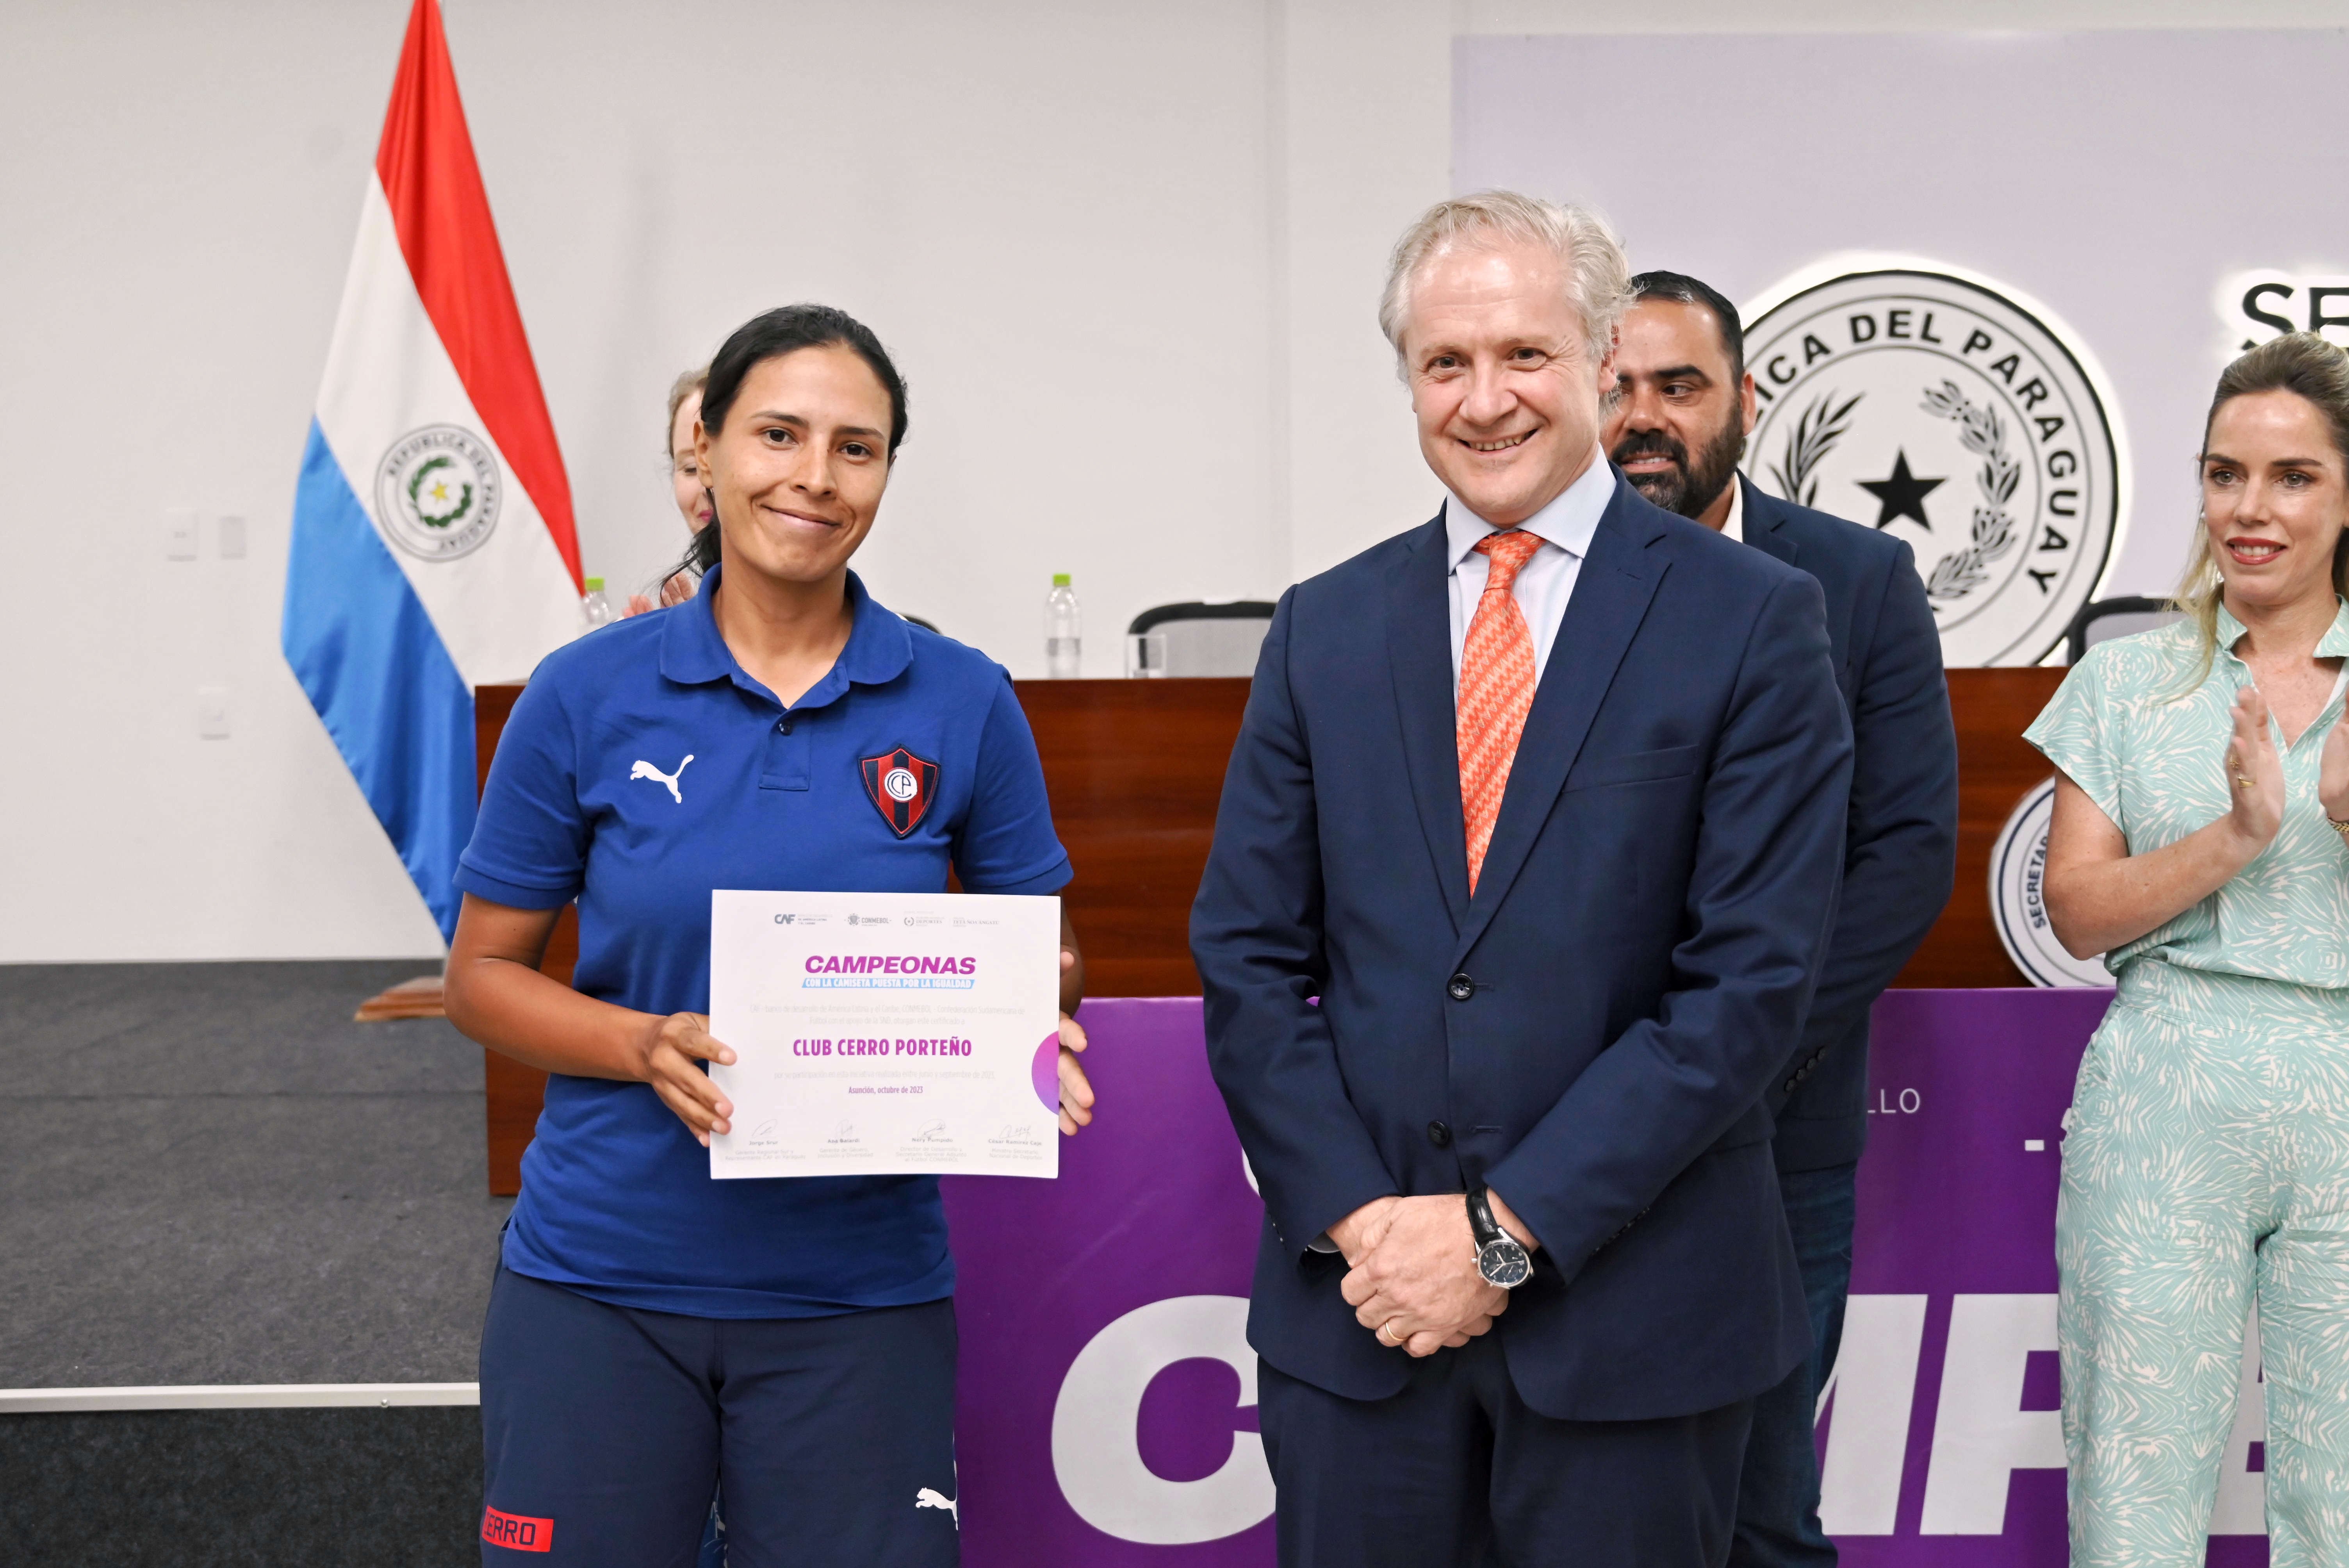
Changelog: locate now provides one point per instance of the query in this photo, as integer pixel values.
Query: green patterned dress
(2207, 1161)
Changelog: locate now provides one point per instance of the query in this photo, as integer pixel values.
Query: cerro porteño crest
(437, 492)
(1933, 407)
(902, 786)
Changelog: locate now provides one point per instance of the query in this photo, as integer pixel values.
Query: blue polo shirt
(641, 770)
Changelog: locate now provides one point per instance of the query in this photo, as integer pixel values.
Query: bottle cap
(1060, 580)
(594, 584)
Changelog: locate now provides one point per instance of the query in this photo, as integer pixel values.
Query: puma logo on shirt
(646, 771)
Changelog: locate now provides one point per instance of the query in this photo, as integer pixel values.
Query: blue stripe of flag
(366, 652)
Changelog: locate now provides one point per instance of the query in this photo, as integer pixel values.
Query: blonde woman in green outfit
(2201, 842)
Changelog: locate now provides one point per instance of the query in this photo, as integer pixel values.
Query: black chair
(1206, 639)
(916, 620)
(2102, 620)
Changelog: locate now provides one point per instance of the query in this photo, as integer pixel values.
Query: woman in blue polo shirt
(651, 1331)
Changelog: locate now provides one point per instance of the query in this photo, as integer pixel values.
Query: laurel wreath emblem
(1814, 435)
(415, 483)
(1960, 572)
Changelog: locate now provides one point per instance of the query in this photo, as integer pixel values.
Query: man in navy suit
(1684, 405)
(1526, 863)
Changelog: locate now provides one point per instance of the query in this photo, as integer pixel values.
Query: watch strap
(1481, 1224)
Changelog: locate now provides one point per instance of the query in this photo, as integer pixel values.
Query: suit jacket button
(1439, 1135)
(1461, 988)
(1791, 1083)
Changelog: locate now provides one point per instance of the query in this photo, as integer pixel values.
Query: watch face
(1503, 1263)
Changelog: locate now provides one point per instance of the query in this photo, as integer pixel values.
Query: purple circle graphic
(1044, 1072)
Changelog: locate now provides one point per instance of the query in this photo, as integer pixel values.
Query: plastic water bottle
(595, 607)
(1064, 629)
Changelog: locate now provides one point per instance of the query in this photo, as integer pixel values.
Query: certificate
(886, 1033)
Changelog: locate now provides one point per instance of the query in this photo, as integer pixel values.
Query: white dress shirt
(1546, 582)
(1733, 526)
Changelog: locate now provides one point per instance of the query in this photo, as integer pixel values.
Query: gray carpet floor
(210, 1174)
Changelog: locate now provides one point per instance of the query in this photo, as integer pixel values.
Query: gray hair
(1582, 241)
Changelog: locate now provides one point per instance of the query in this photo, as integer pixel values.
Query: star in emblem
(1902, 495)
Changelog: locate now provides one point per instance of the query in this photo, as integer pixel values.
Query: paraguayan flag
(433, 548)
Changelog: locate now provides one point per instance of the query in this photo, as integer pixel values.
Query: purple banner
(1941, 1438)
(1107, 1406)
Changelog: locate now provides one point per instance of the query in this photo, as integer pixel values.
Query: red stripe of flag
(442, 213)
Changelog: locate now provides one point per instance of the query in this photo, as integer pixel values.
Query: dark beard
(1685, 489)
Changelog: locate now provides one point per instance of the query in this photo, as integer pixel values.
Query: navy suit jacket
(1596, 1028)
(1900, 841)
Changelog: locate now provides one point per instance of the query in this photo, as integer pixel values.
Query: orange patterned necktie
(1496, 688)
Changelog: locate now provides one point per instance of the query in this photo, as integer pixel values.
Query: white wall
(1128, 256)
(1055, 214)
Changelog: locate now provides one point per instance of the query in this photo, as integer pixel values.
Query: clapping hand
(2333, 772)
(2254, 772)
(675, 589)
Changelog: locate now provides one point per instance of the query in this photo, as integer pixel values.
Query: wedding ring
(2242, 782)
(1391, 1344)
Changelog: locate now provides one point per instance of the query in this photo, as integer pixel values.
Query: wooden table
(1996, 768)
(514, 1090)
(1134, 770)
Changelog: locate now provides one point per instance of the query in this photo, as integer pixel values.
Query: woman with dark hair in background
(686, 484)
(2202, 843)
(653, 1332)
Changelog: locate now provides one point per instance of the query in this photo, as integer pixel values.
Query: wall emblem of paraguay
(437, 492)
(1936, 408)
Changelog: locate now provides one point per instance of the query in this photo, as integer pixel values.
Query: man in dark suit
(1527, 858)
(1684, 405)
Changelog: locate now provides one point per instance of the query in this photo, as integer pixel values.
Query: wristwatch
(1499, 1256)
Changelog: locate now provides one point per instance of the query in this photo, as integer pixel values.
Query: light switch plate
(232, 538)
(211, 713)
(180, 533)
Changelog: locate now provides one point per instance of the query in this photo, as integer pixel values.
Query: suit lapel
(1764, 519)
(1418, 657)
(1610, 598)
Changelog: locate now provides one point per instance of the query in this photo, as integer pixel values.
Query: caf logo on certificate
(437, 492)
(2018, 904)
(1938, 407)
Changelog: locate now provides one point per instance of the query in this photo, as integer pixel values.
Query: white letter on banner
(1981, 1434)
(1874, 1384)
(2242, 1505)
(1095, 1450)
